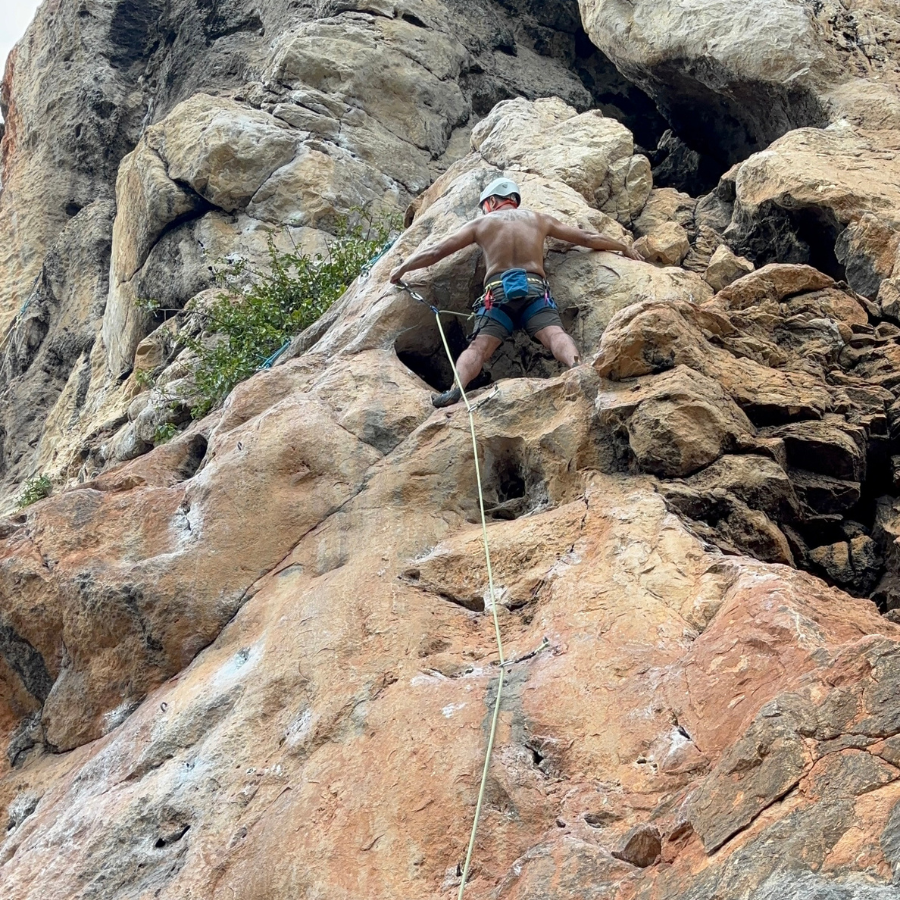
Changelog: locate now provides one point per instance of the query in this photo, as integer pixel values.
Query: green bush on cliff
(35, 488)
(275, 305)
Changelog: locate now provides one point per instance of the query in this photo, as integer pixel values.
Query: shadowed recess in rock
(727, 126)
(132, 29)
(25, 661)
(513, 487)
(795, 235)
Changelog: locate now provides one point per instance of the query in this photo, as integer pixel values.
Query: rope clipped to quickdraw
(367, 268)
(438, 312)
(487, 558)
(270, 361)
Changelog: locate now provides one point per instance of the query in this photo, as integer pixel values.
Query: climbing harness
(516, 284)
(470, 409)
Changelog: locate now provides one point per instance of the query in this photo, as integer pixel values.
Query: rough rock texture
(828, 197)
(732, 77)
(672, 712)
(724, 267)
(210, 124)
(257, 662)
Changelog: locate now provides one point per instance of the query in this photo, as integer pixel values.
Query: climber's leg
(469, 364)
(560, 344)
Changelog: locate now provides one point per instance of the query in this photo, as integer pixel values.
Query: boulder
(641, 848)
(854, 565)
(652, 337)
(665, 205)
(676, 422)
(822, 494)
(593, 154)
(773, 282)
(319, 187)
(869, 251)
(838, 170)
(830, 446)
(889, 298)
(221, 149)
(667, 245)
(724, 267)
(727, 522)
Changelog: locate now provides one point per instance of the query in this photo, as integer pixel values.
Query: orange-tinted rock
(259, 662)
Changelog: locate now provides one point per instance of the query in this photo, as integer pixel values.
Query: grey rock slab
(224, 150)
(640, 847)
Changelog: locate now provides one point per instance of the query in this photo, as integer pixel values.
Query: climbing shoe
(448, 398)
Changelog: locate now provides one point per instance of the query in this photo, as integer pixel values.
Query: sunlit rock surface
(258, 661)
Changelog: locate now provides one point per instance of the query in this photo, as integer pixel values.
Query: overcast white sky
(16, 16)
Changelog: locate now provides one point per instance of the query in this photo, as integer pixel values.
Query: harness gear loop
(487, 558)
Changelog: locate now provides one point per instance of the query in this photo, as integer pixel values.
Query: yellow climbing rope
(487, 558)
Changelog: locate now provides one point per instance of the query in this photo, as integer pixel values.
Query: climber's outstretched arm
(430, 255)
(589, 239)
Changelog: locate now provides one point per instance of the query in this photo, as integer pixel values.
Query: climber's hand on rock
(397, 274)
(629, 253)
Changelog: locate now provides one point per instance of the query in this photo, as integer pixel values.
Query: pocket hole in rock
(413, 20)
(194, 454)
(169, 839)
(513, 487)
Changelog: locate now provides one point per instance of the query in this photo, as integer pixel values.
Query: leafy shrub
(35, 488)
(276, 305)
(144, 379)
(164, 433)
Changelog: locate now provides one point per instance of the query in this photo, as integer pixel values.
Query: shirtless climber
(516, 291)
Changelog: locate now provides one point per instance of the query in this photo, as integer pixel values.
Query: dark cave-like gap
(691, 140)
(857, 519)
(421, 350)
(691, 133)
(802, 234)
(830, 524)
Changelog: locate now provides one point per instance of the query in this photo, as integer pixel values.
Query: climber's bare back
(509, 239)
(513, 239)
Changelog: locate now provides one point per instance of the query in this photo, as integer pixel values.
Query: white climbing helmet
(502, 187)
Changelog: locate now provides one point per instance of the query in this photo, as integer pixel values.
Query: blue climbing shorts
(533, 312)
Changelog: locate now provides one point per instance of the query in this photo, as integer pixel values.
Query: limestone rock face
(259, 661)
(839, 178)
(211, 127)
(589, 152)
(738, 76)
(304, 567)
